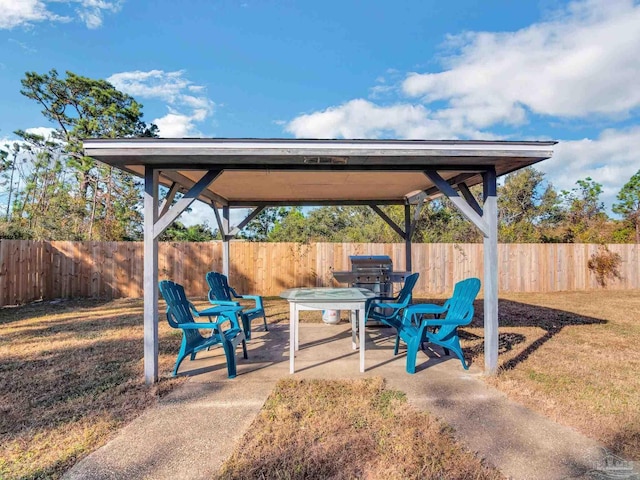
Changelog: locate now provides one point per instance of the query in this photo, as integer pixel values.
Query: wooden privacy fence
(32, 270)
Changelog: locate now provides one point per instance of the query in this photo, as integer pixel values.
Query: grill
(373, 272)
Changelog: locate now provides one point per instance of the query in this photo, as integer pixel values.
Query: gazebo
(258, 173)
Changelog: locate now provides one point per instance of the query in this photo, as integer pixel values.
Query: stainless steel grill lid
(359, 262)
(367, 269)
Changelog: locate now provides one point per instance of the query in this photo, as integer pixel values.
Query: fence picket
(32, 270)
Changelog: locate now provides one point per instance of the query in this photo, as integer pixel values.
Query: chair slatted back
(460, 306)
(178, 308)
(404, 297)
(218, 287)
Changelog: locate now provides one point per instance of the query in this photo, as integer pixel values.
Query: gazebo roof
(256, 172)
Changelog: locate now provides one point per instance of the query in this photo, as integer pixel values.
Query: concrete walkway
(191, 432)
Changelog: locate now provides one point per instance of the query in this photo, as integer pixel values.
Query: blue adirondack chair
(388, 310)
(181, 313)
(220, 293)
(457, 311)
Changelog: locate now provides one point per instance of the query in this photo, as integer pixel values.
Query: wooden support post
(490, 216)
(150, 276)
(408, 229)
(225, 240)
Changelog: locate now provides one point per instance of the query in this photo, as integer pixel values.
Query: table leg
(292, 337)
(297, 328)
(361, 315)
(353, 318)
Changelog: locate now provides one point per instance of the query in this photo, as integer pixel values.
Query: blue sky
(492, 69)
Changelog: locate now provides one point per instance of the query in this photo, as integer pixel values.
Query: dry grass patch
(574, 357)
(317, 429)
(71, 374)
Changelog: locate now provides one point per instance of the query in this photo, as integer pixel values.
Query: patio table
(323, 298)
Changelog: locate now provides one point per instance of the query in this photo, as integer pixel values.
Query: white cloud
(583, 61)
(175, 125)
(5, 141)
(91, 12)
(152, 84)
(177, 91)
(26, 13)
(46, 132)
(580, 63)
(363, 119)
(611, 160)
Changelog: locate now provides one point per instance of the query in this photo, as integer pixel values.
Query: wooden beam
(311, 203)
(150, 277)
(490, 216)
(187, 162)
(468, 196)
(218, 221)
(182, 204)
(244, 222)
(466, 210)
(430, 192)
(389, 222)
(166, 202)
(186, 183)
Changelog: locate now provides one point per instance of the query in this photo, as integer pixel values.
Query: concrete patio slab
(210, 413)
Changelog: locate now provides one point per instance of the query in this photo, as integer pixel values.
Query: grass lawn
(71, 376)
(575, 358)
(345, 429)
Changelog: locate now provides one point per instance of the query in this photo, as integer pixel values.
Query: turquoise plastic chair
(220, 293)
(443, 330)
(388, 310)
(180, 314)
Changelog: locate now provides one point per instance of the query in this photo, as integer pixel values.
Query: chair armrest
(395, 306)
(255, 298)
(435, 322)
(228, 303)
(426, 308)
(375, 302)
(198, 326)
(377, 299)
(219, 310)
(223, 314)
(419, 309)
